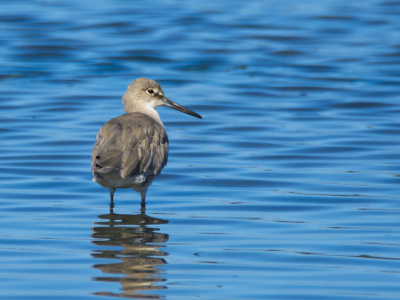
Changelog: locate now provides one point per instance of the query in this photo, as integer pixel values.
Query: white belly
(114, 180)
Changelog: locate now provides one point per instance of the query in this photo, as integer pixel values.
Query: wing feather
(131, 164)
(126, 133)
(131, 144)
(132, 159)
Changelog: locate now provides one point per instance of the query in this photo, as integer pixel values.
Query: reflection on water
(137, 270)
(286, 189)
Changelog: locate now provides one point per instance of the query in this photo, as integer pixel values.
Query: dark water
(287, 189)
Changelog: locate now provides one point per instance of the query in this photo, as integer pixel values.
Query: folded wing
(131, 144)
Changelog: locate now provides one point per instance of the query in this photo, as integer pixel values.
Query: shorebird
(132, 149)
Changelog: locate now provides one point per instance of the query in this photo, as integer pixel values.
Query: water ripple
(287, 189)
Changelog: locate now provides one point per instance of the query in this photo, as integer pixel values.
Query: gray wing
(132, 144)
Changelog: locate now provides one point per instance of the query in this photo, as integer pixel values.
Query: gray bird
(132, 149)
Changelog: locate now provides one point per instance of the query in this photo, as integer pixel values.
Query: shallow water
(287, 189)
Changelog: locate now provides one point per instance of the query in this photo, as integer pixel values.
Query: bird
(131, 150)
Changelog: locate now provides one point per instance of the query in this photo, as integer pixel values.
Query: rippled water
(287, 189)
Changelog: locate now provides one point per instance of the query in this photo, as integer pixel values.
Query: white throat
(144, 108)
(150, 110)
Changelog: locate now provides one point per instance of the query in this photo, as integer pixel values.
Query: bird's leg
(143, 194)
(112, 191)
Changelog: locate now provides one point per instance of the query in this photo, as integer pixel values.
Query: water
(287, 189)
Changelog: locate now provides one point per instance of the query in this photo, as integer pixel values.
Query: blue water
(287, 189)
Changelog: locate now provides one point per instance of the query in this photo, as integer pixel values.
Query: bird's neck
(147, 108)
(144, 109)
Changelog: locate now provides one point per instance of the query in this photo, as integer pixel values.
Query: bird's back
(130, 146)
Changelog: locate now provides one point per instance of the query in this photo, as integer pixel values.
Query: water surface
(287, 189)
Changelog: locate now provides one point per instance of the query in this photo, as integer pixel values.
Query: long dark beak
(174, 105)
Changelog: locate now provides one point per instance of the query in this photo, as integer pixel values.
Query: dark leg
(143, 194)
(112, 191)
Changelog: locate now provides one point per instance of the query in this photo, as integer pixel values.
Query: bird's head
(146, 94)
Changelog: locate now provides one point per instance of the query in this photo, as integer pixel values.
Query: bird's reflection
(138, 260)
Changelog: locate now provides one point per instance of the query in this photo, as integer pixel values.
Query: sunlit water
(287, 189)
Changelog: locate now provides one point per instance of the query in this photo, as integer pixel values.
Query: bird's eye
(150, 91)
